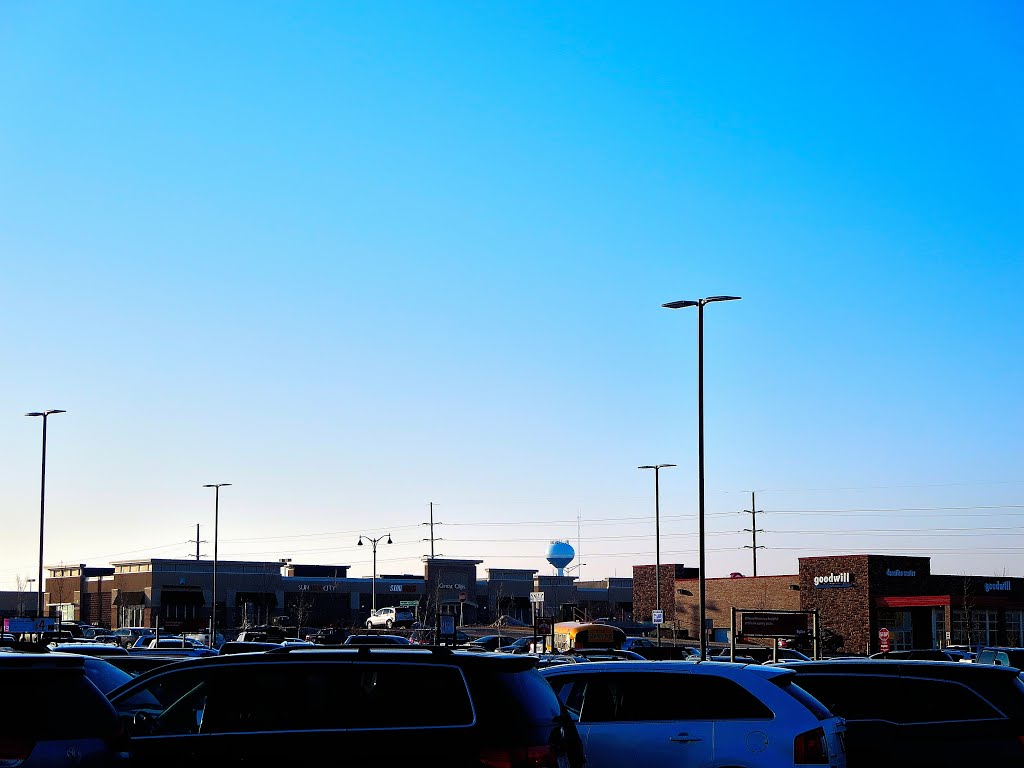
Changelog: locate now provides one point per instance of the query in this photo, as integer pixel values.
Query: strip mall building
(855, 596)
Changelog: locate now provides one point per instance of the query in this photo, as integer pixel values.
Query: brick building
(854, 596)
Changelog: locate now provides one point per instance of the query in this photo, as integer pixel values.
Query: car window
(156, 694)
(53, 704)
(494, 690)
(291, 696)
(818, 709)
(650, 696)
(897, 700)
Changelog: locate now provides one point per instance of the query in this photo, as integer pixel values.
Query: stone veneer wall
(844, 610)
(644, 585)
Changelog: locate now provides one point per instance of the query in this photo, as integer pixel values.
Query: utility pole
(753, 530)
(431, 524)
(197, 541)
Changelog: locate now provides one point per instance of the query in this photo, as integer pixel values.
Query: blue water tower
(560, 554)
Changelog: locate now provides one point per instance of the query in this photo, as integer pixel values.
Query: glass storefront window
(1015, 628)
(901, 636)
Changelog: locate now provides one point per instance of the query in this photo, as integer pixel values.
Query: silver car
(390, 617)
(689, 714)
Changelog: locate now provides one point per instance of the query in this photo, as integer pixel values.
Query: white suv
(704, 713)
(390, 617)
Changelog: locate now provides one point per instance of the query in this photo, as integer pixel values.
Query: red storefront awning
(912, 601)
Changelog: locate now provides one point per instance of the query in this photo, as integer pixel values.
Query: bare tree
(20, 583)
(301, 609)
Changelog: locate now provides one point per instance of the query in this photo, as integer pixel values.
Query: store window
(901, 635)
(977, 627)
(939, 627)
(1015, 628)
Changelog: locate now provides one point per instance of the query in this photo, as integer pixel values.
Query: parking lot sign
(657, 617)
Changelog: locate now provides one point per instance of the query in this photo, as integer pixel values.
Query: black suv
(426, 706)
(921, 713)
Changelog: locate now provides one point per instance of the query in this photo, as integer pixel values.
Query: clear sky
(354, 258)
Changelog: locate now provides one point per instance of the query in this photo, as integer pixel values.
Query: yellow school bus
(577, 634)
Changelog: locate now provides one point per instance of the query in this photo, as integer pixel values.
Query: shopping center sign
(774, 623)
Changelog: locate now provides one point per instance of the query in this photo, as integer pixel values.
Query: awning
(130, 598)
(912, 601)
(182, 597)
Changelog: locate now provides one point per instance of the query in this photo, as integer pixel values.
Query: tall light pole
(699, 304)
(30, 583)
(657, 538)
(216, 514)
(373, 541)
(42, 509)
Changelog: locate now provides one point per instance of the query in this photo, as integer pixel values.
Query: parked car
(920, 654)
(250, 646)
(90, 649)
(327, 636)
(492, 642)
(53, 715)
(376, 640)
(632, 643)
(167, 641)
(136, 664)
(677, 713)
(175, 650)
(522, 645)
(128, 635)
(934, 713)
(352, 703)
(386, 618)
(429, 637)
(1001, 656)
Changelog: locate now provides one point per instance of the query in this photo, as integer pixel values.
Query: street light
(42, 509)
(30, 583)
(699, 304)
(657, 539)
(216, 514)
(373, 593)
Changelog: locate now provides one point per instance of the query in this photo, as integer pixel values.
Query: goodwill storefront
(856, 596)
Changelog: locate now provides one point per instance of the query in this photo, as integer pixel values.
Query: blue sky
(357, 258)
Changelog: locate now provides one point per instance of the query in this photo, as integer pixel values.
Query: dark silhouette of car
(247, 646)
(376, 640)
(492, 642)
(53, 714)
(921, 713)
(352, 706)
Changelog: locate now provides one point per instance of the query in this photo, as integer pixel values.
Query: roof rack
(363, 649)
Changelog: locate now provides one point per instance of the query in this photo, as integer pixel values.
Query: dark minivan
(355, 706)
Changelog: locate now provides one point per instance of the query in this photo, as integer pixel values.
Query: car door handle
(684, 738)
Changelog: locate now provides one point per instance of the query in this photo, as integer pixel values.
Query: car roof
(903, 667)
(413, 654)
(675, 666)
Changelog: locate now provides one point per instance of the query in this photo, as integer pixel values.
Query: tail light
(542, 756)
(809, 748)
(14, 751)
